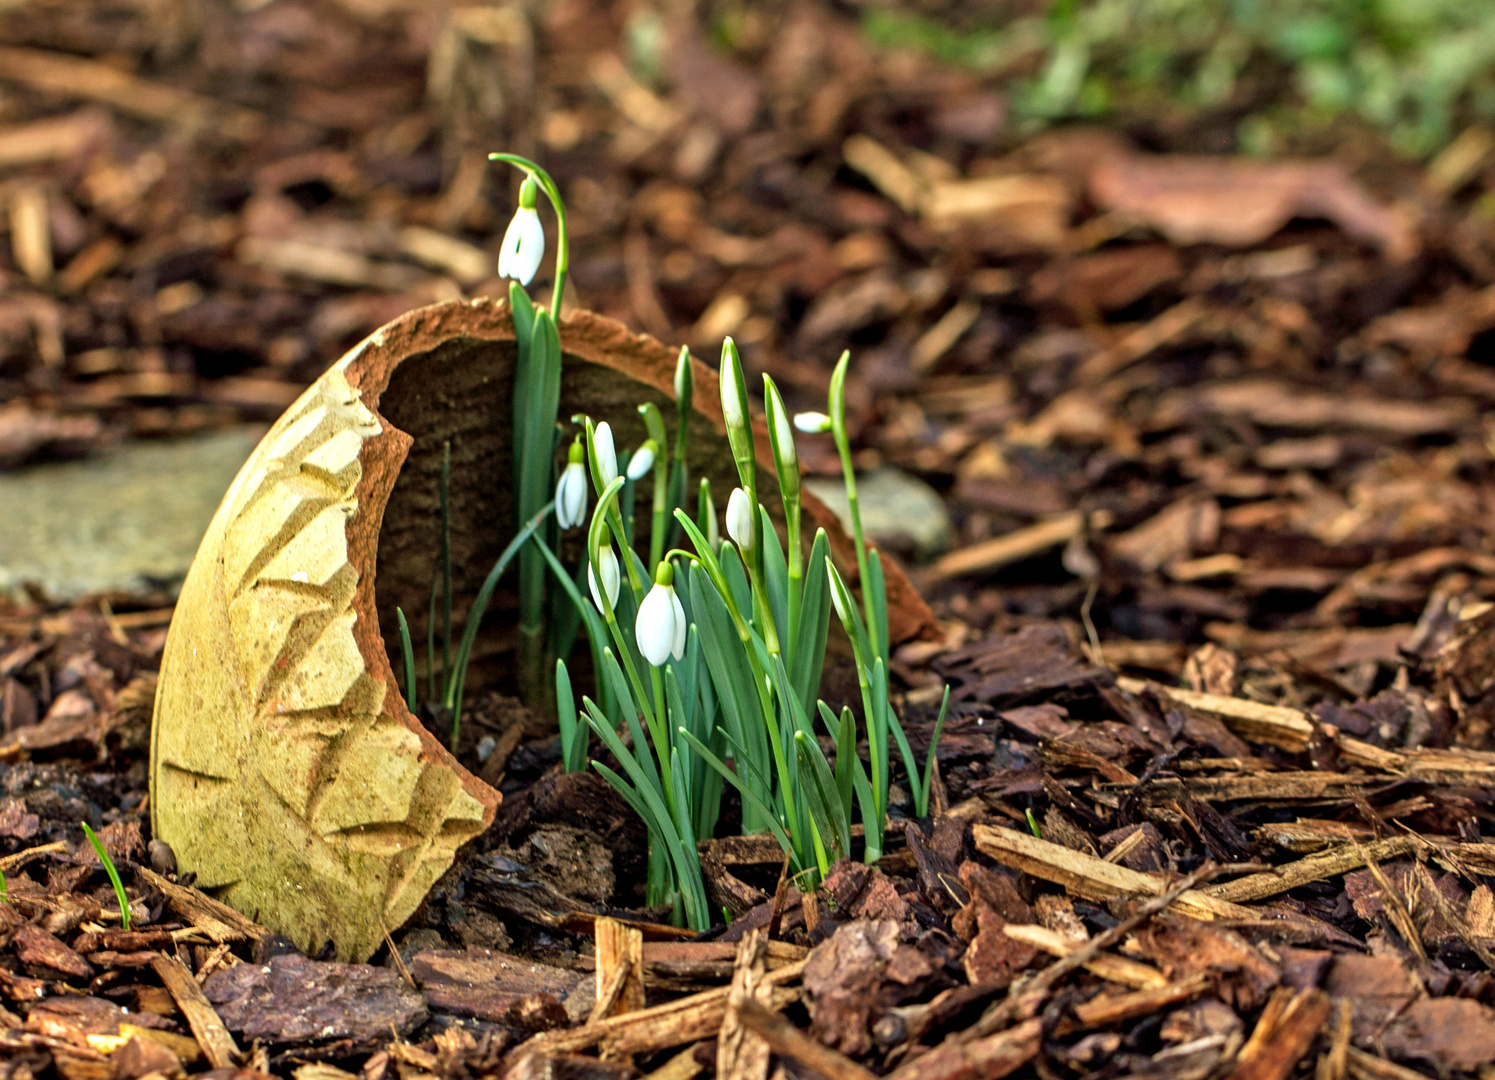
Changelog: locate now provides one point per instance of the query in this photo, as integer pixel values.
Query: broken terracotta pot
(286, 771)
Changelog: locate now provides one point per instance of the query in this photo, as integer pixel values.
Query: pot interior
(461, 392)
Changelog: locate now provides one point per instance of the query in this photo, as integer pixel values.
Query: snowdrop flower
(812, 423)
(734, 409)
(607, 457)
(605, 593)
(740, 519)
(642, 460)
(660, 626)
(571, 489)
(524, 242)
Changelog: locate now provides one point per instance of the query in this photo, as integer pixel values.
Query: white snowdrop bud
(812, 423)
(642, 460)
(734, 409)
(606, 457)
(740, 519)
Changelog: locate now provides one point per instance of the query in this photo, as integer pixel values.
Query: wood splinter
(620, 969)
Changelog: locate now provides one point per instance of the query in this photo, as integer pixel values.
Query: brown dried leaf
(1239, 202)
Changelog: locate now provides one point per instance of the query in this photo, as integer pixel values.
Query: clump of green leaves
(715, 656)
(1418, 71)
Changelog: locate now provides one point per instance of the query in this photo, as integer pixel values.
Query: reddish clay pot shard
(286, 771)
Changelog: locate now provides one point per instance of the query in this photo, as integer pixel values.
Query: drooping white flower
(740, 519)
(642, 460)
(571, 490)
(607, 457)
(524, 242)
(812, 423)
(660, 627)
(734, 409)
(607, 558)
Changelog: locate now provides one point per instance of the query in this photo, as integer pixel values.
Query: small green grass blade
(408, 652)
(119, 886)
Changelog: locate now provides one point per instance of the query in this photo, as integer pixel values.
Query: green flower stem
(877, 735)
(660, 731)
(740, 436)
(607, 508)
(654, 424)
(707, 558)
(843, 448)
(796, 573)
(661, 515)
(763, 612)
(637, 584)
(786, 465)
(684, 394)
(563, 239)
(652, 705)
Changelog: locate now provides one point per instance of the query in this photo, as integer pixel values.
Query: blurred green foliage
(1415, 69)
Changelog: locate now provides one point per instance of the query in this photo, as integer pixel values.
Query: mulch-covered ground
(1216, 610)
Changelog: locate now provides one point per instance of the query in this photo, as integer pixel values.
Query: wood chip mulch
(1215, 437)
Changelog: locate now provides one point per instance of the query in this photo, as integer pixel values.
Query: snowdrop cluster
(707, 649)
(711, 652)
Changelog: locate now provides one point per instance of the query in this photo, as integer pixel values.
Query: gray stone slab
(127, 521)
(898, 509)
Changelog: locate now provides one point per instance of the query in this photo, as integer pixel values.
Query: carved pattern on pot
(312, 762)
